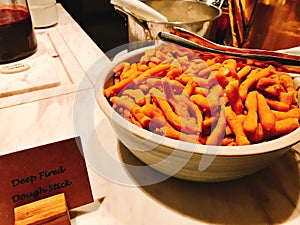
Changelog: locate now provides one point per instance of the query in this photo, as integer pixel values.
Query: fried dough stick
(201, 101)
(160, 99)
(266, 116)
(257, 135)
(289, 86)
(159, 125)
(244, 72)
(186, 116)
(150, 117)
(124, 102)
(236, 126)
(214, 97)
(185, 108)
(232, 93)
(270, 85)
(252, 78)
(282, 127)
(251, 120)
(128, 103)
(277, 105)
(293, 113)
(217, 135)
(114, 89)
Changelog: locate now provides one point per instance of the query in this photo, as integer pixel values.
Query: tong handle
(165, 36)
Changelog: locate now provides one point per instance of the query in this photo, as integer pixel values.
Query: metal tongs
(185, 38)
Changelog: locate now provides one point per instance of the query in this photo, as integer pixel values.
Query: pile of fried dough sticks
(206, 99)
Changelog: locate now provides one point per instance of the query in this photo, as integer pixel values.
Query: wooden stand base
(48, 211)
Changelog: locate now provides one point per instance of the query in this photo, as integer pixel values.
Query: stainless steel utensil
(281, 58)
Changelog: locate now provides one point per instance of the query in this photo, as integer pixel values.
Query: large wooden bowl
(185, 160)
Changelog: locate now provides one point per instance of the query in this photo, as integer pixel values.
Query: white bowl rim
(261, 148)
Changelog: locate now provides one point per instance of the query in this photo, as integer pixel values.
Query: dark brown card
(40, 172)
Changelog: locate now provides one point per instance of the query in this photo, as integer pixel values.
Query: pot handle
(142, 23)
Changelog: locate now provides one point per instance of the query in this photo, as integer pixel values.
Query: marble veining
(39, 76)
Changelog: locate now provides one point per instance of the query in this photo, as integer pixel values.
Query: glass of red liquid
(17, 37)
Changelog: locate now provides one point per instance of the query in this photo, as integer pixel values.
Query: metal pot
(192, 15)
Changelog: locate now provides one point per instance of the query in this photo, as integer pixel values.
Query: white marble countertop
(271, 196)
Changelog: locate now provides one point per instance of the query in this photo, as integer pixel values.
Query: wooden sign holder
(49, 211)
